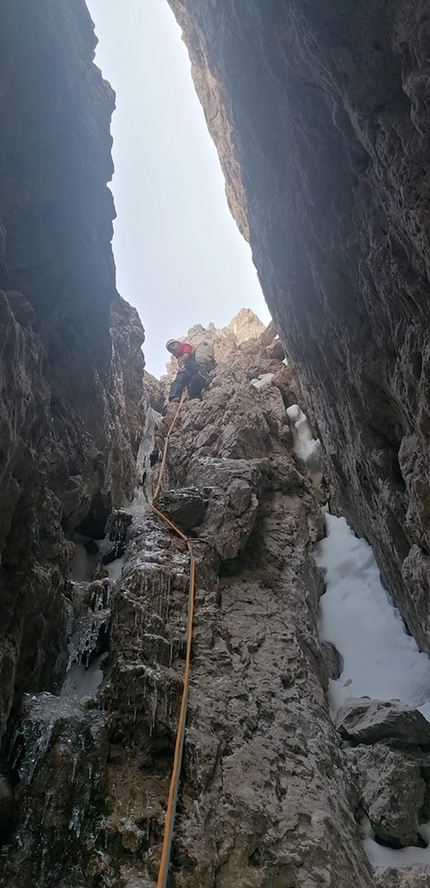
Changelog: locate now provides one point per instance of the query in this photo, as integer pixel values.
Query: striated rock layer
(70, 359)
(319, 112)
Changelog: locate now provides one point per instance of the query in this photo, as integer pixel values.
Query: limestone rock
(185, 507)
(265, 796)
(392, 792)
(332, 659)
(324, 149)
(403, 877)
(71, 406)
(276, 350)
(368, 721)
(233, 502)
(154, 390)
(245, 326)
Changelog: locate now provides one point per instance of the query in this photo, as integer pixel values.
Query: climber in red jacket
(190, 375)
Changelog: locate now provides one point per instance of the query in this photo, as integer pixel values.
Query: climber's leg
(197, 383)
(177, 387)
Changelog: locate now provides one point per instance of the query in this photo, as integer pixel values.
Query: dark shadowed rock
(70, 348)
(185, 507)
(6, 808)
(368, 721)
(319, 113)
(22, 310)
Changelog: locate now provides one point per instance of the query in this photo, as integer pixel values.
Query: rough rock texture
(270, 792)
(70, 357)
(367, 721)
(266, 798)
(319, 112)
(391, 792)
(403, 877)
(244, 327)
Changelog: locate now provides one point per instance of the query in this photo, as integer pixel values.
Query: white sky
(180, 258)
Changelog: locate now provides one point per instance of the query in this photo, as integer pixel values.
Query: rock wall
(319, 113)
(70, 358)
(265, 798)
(319, 116)
(272, 792)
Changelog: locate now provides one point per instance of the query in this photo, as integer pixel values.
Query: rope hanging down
(180, 735)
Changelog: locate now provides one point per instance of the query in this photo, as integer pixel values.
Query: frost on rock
(142, 492)
(306, 446)
(380, 660)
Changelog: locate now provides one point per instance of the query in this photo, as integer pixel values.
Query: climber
(194, 367)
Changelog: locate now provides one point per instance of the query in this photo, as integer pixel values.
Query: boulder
(332, 660)
(185, 507)
(403, 877)
(368, 721)
(392, 791)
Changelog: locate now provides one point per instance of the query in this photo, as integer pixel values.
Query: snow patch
(381, 857)
(306, 446)
(380, 660)
(263, 380)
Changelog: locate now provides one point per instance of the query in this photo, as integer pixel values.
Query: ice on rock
(81, 681)
(142, 494)
(380, 660)
(82, 565)
(115, 569)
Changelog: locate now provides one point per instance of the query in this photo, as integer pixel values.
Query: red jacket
(184, 348)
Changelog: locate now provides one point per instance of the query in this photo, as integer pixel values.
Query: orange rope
(180, 735)
(166, 446)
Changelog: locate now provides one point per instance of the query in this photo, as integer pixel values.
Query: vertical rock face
(270, 791)
(70, 358)
(265, 797)
(320, 117)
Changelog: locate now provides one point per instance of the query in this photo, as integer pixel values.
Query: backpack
(204, 356)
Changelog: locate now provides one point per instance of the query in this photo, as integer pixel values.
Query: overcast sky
(180, 258)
